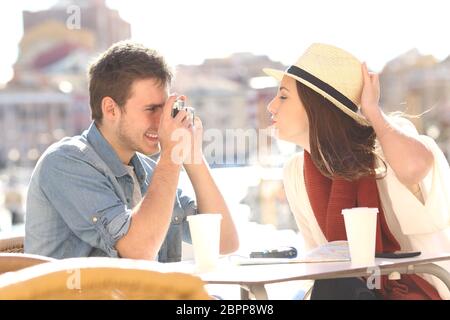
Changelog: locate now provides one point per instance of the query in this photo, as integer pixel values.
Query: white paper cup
(361, 228)
(205, 234)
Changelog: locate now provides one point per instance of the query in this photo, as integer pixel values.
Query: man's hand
(174, 132)
(195, 154)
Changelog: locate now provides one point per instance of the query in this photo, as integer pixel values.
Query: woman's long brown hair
(340, 147)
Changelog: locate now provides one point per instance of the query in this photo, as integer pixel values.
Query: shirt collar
(104, 149)
(136, 162)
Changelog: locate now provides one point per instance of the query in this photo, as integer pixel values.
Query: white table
(253, 279)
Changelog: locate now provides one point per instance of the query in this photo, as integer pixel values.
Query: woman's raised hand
(370, 95)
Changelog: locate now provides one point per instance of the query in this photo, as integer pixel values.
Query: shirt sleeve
(434, 214)
(436, 188)
(86, 201)
(189, 207)
(403, 125)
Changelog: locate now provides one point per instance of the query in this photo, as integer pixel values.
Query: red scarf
(329, 196)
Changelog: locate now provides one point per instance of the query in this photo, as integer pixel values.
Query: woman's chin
(274, 131)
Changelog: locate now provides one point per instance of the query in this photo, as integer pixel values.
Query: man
(98, 195)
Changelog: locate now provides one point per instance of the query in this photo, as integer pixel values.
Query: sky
(188, 31)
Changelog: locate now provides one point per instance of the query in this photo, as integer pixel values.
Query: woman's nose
(271, 107)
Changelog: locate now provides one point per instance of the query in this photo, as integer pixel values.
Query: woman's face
(289, 118)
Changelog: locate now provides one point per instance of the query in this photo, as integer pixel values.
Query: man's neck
(124, 156)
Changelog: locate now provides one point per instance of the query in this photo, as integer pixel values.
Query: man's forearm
(151, 218)
(210, 199)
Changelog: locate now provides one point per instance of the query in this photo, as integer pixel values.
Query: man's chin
(152, 150)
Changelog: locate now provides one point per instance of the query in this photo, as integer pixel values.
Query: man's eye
(151, 109)
(283, 97)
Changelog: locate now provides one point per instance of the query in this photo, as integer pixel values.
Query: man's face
(137, 129)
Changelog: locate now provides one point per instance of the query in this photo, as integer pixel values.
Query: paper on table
(335, 251)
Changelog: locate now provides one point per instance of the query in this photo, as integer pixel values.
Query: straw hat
(331, 72)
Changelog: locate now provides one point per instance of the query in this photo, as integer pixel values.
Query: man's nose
(155, 119)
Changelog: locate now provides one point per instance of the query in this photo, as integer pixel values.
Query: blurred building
(222, 93)
(105, 24)
(240, 67)
(417, 84)
(267, 201)
(231, 96)
(32, 121)
(47, 97)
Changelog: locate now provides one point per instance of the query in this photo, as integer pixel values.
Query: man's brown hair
(113, 73)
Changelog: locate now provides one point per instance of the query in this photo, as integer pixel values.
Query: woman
(355, 156)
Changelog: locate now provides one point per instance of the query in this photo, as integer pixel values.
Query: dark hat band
(296, 71)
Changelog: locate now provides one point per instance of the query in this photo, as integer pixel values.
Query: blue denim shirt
(79, 201)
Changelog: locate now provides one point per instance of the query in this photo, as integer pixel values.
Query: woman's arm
(410, 159)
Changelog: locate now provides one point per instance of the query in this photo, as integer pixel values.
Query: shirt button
(176, 219)
(94, 219)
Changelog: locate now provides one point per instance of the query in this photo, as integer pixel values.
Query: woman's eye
(283, 97)
(150, 109)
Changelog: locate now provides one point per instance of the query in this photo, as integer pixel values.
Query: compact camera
(181, 105)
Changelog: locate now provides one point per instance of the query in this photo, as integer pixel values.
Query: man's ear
(109, 108)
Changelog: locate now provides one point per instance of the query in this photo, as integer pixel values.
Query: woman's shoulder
(295, 159)
(293, 165)
(403, 124)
